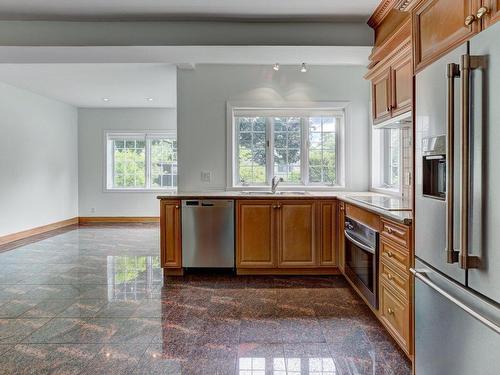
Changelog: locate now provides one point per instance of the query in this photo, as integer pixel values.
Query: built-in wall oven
(361, 258)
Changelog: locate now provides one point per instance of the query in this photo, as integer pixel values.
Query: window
(386, 159)
(138, 161)
(302, 146)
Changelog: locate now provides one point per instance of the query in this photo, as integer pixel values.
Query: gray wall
(201, 106)
(38, 160)
(92, 123)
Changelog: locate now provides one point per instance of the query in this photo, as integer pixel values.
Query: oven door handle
(359, 244)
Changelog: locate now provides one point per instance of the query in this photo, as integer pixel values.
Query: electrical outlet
(206, 176)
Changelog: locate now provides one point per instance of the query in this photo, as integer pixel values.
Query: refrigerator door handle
(421, 275)
(451, 254)
(468, 63)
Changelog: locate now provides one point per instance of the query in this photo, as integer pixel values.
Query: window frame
(266, 109)
(380, 161)
(148, 137)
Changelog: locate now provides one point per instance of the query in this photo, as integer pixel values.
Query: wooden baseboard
(118, 219)
(288, 271)
(38, 230)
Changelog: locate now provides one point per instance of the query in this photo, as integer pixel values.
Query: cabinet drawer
(393, 278)
(366, 217)
(398, 233)
(395, 315)
(394, 255)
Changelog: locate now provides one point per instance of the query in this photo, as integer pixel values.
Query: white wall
(38, 160)
(92, 124)
(201, 104)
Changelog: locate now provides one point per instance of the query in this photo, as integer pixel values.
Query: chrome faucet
(274, 183)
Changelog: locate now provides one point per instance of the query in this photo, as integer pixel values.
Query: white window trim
(107, 164)
(398, 191)
(343, 160)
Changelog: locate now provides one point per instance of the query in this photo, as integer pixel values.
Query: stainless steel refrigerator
(457, 211)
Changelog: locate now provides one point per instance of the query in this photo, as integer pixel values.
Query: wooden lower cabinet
(256, 234)
(297, 240)
(170, 234)
(328, 228)
(395, 315)
(294, 236)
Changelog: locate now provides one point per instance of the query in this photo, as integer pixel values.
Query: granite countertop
(402, 216)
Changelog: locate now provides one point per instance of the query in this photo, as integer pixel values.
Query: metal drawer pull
(390, 311)
(469, 19)
(390, 254)
(421, 275)
(389, 230)
(389, 276)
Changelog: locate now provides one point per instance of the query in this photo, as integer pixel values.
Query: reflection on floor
(93, 301)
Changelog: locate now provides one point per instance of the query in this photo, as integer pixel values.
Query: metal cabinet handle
(469, 20)
(421, 275)
(481, 12)
(389, 230)
(390, 311)
(390, 254)
(468, 64)
(275, 206)
(176, 206)
(451, 254)
(389, 276)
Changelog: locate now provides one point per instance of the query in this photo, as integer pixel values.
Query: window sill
(287, 188)
(384, 190)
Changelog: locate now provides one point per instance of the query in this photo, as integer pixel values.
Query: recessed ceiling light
(105, 99)
(149, 99)
(276, 66)
(303, 68)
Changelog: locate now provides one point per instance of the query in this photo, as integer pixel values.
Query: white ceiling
(164, 9)
(86, 85)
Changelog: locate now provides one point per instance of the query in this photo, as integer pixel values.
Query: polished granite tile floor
(92, 300)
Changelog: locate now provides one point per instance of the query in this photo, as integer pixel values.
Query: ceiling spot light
(105, 99)
(303, 68)
(149, 99)
(276, 66)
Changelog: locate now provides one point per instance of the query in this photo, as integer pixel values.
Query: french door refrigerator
(457, 211)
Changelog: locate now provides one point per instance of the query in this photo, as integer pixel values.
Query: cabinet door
(297, 240)
(402, 85)
(381, 96)
(255, 234)
(341, 236)
(439, 26)
(170, 234)
(493, 14)
(328, 239)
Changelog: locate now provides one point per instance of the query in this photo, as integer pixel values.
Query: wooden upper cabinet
(381, 97)
(255, 234)
(297, 242)
(440, 25)
(170, 234)
(493, 12)
(402, 84)
(328, 236)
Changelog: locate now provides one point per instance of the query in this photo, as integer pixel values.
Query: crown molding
(381, 12)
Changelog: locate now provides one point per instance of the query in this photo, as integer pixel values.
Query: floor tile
(13, 331)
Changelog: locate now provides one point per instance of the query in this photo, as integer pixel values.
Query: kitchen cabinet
(441, 25)
(297, 240)
(392, 84)
(401, 84)
(328, 233)
(381, 93)
(492, 15)
(170, 234)
(341, 236)
(256, 233)
(286, 236)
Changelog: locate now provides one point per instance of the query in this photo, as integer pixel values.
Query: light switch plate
(206, 176)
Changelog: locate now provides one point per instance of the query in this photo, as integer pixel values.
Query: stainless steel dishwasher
(208, 233)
